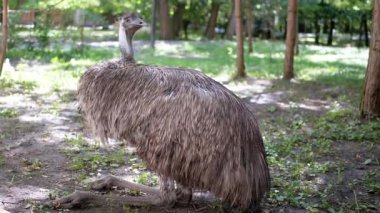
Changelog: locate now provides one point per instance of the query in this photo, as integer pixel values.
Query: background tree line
(210, 18)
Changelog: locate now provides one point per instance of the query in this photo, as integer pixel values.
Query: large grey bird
(189, 129)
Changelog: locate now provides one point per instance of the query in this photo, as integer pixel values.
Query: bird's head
(131, 22)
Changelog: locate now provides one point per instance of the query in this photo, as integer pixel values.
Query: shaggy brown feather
(185, 126)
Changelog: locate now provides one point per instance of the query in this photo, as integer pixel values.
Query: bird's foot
(74, 200)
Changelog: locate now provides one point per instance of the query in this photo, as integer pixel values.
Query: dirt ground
(35, 157)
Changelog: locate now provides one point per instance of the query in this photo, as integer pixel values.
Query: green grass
(2, 159)
(9, 84)
(33, 165)
(8, 113)
(295, 154)
(88, 158)
(332, 66)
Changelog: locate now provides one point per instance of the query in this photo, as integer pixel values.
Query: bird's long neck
(125, 43)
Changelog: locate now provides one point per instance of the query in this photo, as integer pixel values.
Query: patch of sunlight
(260, 55)
(269, 98)
(224, 73)
(46, 80)
(179, 50)
(3, 210)
(311, 105)
(7, 67)
(311, 73)
(42, 118)
(278, 55)
(74, 62)
(104, 44)
(16, 101)
(249, 86)
(347, 55)
(17, 194)
(170, 47)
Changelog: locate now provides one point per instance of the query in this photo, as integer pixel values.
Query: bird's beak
(141, 23)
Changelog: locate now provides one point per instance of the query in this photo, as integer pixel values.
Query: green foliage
(65, 5)
(106, 12)
(371, 182)
(77, 143)
(57, 55)
(146, 178)
(293, 151)
(91, 162)
(2, 159)
(33, 165)
(23, 86)
(340, 125)
(6, 84)
(42, 33)
(85, 157)
(8, 113)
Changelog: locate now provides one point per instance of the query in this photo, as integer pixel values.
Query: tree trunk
(290, 39)
(250, 26)
(297, 48)
(370, 103)
(325, 26)
(231, 23)
(81, 35)
(360, 33)
(271, 26)
(331, 32)
(211, 24)
(154, 22)
(4, 42)
(177, 19)
(166, 31)
(365, 26)
(351, 31)
(240, 42)
(317, 31)
(186, 24)
(286, 29)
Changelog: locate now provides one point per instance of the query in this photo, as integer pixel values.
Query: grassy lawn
(321, 154)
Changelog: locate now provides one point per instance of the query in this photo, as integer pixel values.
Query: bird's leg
(168, 193)
(184, 195)
(110, 181)
(104, 138)
(75, 200)
(80, 198)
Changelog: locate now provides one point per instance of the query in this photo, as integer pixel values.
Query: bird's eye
(127, 20)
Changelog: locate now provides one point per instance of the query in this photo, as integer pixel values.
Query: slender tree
(370, 103)
(290, 39)
(177, 18)
(211, 24)
(297, 45)
(250, 26)
(154, 22)
(231, 28)
(166, 30)
(317, 29)
(365, 26)
(4, 43)
(240, 41)
(331, 32)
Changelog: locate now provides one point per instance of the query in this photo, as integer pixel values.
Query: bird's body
(185, 126)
